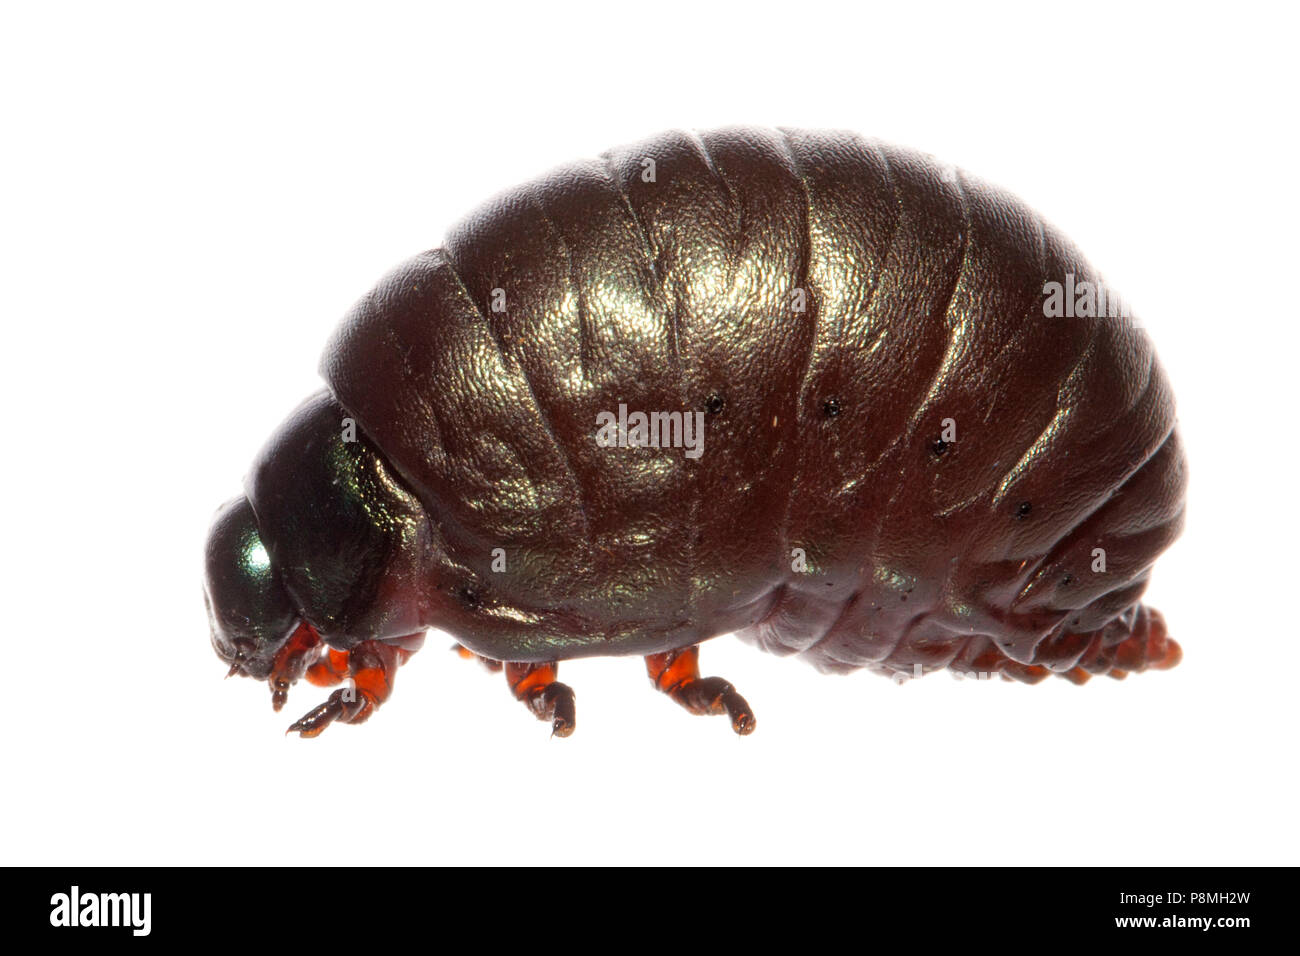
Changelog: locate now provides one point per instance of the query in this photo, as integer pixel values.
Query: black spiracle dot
(1068, 579)
(938, 447)
(1023, 510)
(469, 597)
(714, 404)
(831, 407)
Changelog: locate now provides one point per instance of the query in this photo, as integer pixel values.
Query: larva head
(327, 545)
(250, 613)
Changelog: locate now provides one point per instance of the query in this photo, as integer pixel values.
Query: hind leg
(677, 674)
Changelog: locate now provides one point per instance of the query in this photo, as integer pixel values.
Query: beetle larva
(797, 385)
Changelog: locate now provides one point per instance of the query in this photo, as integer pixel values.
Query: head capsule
(250, 612)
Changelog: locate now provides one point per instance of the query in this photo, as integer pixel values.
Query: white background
(190, 201)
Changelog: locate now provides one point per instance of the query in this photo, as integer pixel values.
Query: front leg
(292, 662)
(330, 669)
(677, 674)
(372, 665)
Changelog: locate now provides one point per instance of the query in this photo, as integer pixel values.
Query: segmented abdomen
(906, 463)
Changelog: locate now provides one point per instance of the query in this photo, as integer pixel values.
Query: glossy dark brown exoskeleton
(908, 460)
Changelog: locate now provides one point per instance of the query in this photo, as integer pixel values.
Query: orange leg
(330, 669)
(372, 665)
(466, 654)
(536, 686)
(292, 662)
(677, 674)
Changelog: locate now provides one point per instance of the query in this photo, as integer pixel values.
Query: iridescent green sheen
(351, 544)
(248, 610)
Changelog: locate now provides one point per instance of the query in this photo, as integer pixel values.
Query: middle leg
(536, 686)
